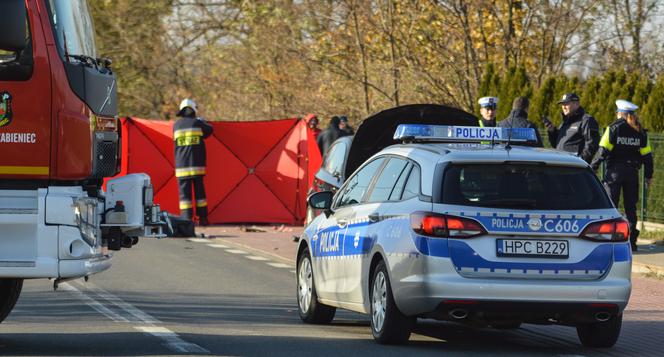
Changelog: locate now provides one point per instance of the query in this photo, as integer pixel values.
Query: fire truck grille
(104, 159)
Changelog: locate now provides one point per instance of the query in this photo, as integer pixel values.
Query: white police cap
(488, 102)
(625, 106)
(188, 103)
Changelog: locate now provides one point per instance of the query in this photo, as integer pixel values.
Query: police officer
(190, 159)
(579, 131)
(625, 148)
(488, 106)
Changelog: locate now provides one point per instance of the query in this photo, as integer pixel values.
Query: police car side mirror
(320, 200)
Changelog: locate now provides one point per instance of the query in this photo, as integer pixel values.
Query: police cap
(569, 97)
(488, 102)
(625, 106)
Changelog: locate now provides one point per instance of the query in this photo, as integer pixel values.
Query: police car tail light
(443, 226)
(616, 230)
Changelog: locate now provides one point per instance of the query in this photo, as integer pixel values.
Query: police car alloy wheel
(388, 324)
(601, 334)
(311, 311)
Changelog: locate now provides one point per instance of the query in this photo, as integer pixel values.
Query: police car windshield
(523, 186)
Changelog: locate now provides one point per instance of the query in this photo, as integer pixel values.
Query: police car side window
(387, 180)
(335, 158)
(401, 182)
(358, 184)
(412, 188)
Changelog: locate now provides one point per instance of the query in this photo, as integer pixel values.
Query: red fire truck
(59, 138)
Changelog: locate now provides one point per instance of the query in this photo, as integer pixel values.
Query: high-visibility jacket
(190, 155)
(625, 147)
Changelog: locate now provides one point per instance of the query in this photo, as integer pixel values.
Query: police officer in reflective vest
(188, 134)
(488, 106)
(625, 147)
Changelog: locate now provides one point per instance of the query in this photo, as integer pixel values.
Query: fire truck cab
(59, 139)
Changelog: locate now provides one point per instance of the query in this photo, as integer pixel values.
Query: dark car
(375, 133)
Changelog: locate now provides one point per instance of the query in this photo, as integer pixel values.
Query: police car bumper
(437, 294)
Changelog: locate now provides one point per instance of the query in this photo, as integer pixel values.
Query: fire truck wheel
(10, 289)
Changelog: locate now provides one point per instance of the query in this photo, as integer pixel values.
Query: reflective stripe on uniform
(185, 204)
(606, 142)
(481, 123)
(201, 203)
(647, 149)
(189, 171)
(187, 132)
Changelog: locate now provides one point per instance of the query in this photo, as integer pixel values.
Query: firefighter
(188, 134)
(625, 147)
(579, 131)
(488, 106)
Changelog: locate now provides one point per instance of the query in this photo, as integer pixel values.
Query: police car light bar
(467, 134)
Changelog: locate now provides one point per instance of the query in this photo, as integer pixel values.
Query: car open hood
(376, 131)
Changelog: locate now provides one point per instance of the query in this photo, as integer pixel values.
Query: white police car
(492, 234)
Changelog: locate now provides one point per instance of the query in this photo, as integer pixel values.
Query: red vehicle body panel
(45, 106)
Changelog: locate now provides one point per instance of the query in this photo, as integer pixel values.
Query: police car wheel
(311, 311)
(388, 324)
(10, 289)
(600, 334)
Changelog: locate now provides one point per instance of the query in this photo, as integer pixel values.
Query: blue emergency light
(467, 134)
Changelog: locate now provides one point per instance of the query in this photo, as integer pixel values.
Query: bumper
(425, 294)
(52, 268)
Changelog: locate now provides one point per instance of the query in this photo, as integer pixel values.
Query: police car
(461, 224)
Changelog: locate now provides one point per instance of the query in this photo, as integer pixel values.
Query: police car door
(374, 224)
(328, 247)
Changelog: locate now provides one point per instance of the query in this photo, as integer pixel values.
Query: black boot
(203, 221)
(632, 239)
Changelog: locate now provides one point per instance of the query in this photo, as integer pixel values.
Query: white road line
(255, 257)
(198, 240)
(236, 251)
(279, 265)
(93, 303)
(217, 246)
(140, 316)
(171, 340)
(293, 271)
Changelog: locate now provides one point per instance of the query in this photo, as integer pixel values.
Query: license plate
(539, 248)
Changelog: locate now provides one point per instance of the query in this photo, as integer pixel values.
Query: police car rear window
(523, 186)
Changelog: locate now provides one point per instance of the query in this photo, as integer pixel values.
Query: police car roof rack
(409, 133)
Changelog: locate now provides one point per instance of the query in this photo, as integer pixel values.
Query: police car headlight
(614, 230)
(445, 226)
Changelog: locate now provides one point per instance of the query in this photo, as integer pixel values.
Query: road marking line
(236, 251)
(279, 265)
(217, 246)
(93, 303)
(255, 257)
(293, 271)
(134, 311)
(171, 340)
(198, 240)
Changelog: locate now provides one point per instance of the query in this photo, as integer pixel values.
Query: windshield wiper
(85, 59)
(512, 202)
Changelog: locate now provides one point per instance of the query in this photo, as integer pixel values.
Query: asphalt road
(177, 297)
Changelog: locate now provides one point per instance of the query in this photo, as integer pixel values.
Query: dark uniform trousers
(625, 178)
(187, 202)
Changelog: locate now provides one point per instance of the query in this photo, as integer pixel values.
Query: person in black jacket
(518, 118)
(579, 131)
(190, 160)
(329, 135)
(625, 147)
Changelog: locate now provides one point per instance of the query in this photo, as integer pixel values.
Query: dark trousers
(187, 203)
(624, 178)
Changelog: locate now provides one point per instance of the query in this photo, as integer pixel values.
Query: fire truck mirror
(12, 25)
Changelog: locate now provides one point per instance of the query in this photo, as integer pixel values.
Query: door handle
(374, 217)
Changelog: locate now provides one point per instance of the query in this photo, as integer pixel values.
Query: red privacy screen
(256, 171)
